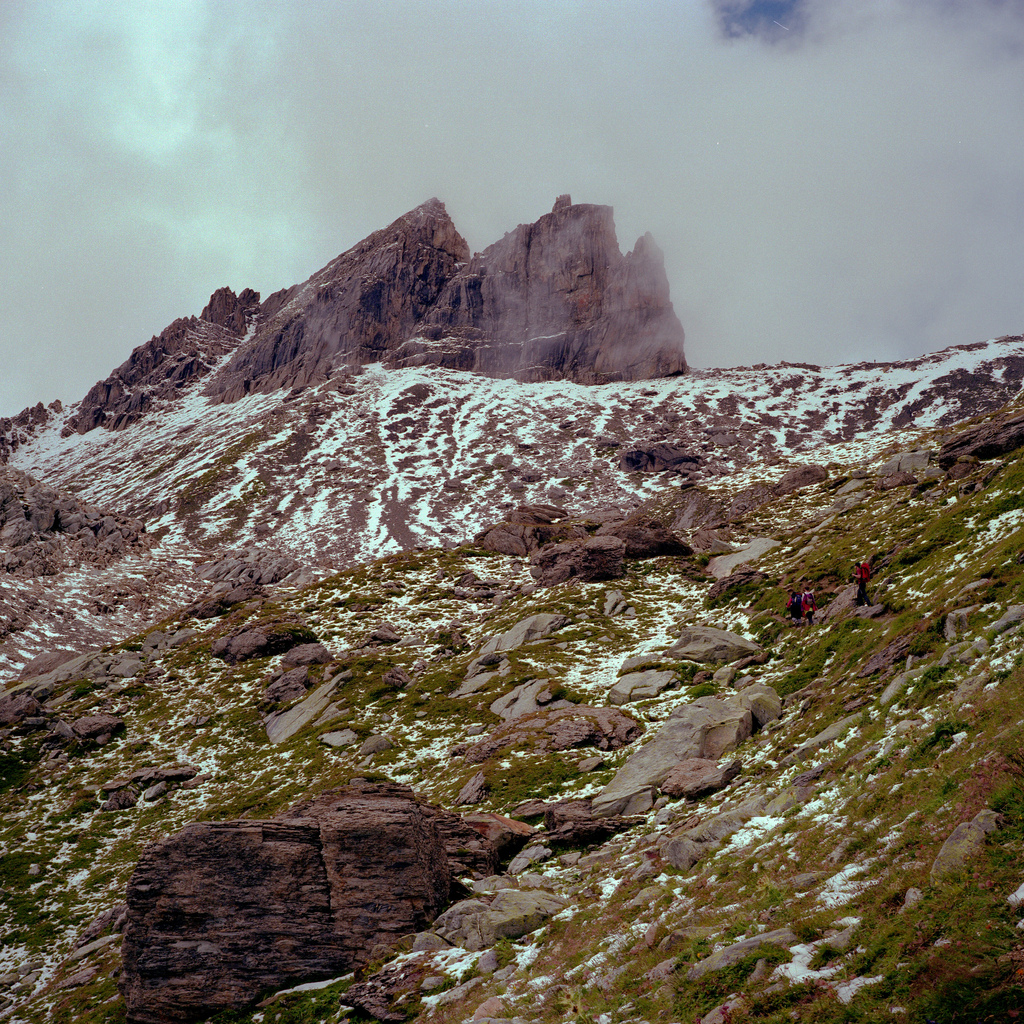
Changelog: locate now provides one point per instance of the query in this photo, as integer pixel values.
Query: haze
(830, 181)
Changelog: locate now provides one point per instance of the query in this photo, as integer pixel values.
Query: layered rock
(43, 531)
(220, 912)
(556, 299)
(183, 352)
(358, 309)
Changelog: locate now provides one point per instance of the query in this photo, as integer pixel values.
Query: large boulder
(559, 728)
(800, 476)
(474, 925)
(220, 912)
(646, 538)
(706, 728)
(985, 441)
(707, 644)
(261, 641)
(659, 458)
(641, 685)
(964, 845)
(698, 776)
(590, 560)
(725, 565)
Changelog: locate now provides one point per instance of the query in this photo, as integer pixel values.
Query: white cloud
(854, 192)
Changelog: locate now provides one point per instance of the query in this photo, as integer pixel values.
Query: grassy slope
(891, 790)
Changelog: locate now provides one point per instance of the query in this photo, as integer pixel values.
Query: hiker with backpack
(808, 604)
(862, 573)
(795, 607)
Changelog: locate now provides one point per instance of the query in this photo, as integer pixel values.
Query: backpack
(863, 572)
(808, 601)
(795, 604)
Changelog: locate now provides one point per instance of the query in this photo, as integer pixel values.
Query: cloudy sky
(831, 180)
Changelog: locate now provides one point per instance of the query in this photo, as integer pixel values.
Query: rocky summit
(400, 647)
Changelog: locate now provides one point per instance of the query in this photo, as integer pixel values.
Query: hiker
(795, 607)
(808, 604)
(862, 573)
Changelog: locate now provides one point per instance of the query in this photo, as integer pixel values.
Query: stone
(827, 735)
(282, 725)
(427, 942)
(559, 728)
(722, 566)
(738, 951)
(220, 912)
(965, 844)
(890, 483)
(526, 857)
(473, 791)
(1012, 615)
(342, 738)
(524, 699)
(474, 925)
(587, 561)
(706, 728)
(916, 461)
(306, 654)
(288, 686)
(375, 744)
(985, 441)
(741, 577)
(525, 631)
(98, 729)
(640, 685)
(263, 641)
(15, 707)
(645, 538)
(696, 777)
(659, 458)
(707, 644)
(43, 663)
(800, 476)
(121, 800)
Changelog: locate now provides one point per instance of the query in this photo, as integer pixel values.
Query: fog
(830, 181)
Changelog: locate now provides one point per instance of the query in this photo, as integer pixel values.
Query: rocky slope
(737, 819)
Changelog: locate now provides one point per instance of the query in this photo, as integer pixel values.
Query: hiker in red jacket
(862, 573)
(809, 605)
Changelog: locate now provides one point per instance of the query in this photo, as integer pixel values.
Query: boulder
(706, 728)
(559, 728)
(646, 538)
(287, 687)
(523, 700)
(475, 925)
(98, 729)
(640, 685)
(906, 462)
(282, 725)
(707, 644)
(985, 441)
(659, 458)
(734, 581)
(894, 480)
(43, 663)
(16, 706)
(725, 565)
(738, 951)
(261, 641)
(697, 776)
(220, 912)
(306, 654)
(572, 823)
(590, 560)
(964, 845)
(526, 630)
(800, 476)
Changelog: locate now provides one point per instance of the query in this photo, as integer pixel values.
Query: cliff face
(551, 300)
(357, 309)
(556, 299)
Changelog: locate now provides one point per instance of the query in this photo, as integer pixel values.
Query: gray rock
(524, 631)
(738, 951)
(906, 462)
(282, 725)
(427, 941)
(475, 925)
(827, 736)
(640, 685)
(155, 792)
(524, 699)
(696, 777)
(724, 565)
(531, 855)
(1012, 615)
(964, 844)
(614, 603)
(307, 654)
(707, 644)
(375, 744)
(343, 738)
(705, 728)
(956, 622)
(473, 791)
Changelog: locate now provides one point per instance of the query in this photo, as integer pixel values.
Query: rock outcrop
(556, 299)
(358, 309)
(222, 911)
(183, 352)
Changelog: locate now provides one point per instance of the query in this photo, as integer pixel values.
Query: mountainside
(340, 684)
